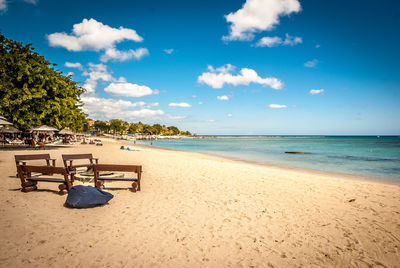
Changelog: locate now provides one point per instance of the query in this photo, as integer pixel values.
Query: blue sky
(225, 67)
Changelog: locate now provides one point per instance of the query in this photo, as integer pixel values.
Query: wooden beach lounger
(99, 180)
(72, 166)
(29, 182)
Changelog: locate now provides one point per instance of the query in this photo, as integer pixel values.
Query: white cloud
(223, 69)
(269, 41)
(194, 96)
(316, 91)
(110, 108)
(95, 36)
(292, 40)
(200, 102)
(115, 54)
(223, 98)
(96, 72)
(175, 116)
(3, 5)
(70, 74)
(73, 65)
(258, 15)
(169, 50)
(181, 104)
(129, 90)
(277, 106)
(216, 78)
(229, 115)
(276, 41)
(311, 63)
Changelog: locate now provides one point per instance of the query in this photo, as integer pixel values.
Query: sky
(250, 67)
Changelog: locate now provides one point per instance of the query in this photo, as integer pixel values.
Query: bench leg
(134, 187)
(99, 185)
(63, 189)
(29, 186)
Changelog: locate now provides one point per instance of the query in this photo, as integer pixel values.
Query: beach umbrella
(9, 130)
(43, 128)
(66, 131)
(3, 122)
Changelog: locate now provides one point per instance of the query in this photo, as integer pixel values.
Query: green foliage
(174, 130)
(101, 126)
(132, 129)
(119, 126)
(33, 93)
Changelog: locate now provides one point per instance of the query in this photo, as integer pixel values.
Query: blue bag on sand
(86, 197)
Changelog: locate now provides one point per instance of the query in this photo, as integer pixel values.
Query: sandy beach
(201, 211)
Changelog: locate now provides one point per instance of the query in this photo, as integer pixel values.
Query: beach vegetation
(34, 93)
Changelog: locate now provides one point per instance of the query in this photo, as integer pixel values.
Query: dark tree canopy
(33, 93)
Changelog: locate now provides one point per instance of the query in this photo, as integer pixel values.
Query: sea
(375, 157)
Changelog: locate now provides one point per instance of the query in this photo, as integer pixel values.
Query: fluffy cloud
(216, 78)
(74, 65)
(115, 54)
(181, 104)
(311, 63)
(129, 90)
(277, 106)
(316, 91)
(276, 41)
(96, 72)
(110, 108)
(223, 98)
(200, 103)
(229, 115)
(95, 36)
(169, 50)
(258, 15)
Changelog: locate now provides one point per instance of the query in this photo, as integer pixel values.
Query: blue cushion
(86, 197)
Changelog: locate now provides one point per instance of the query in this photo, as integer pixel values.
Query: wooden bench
(29, 182)
(99, 180)
(22, 159)
(72, 166)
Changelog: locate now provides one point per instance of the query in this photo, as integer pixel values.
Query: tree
(156, 128)
(118, 125)
(174, 130)
(101, 125)
(133, 128)
(33, 93)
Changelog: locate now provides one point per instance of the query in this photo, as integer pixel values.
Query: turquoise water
(370, 156)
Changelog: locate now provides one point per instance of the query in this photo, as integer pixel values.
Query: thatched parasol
(9, 130)
(66, 131)
(3, 121)
(43, 128)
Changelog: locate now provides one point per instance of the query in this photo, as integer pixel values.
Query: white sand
(200, 211)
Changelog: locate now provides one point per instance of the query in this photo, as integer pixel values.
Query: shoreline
(283, 167)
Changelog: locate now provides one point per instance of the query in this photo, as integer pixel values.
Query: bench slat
(117, 179)
(45, 179)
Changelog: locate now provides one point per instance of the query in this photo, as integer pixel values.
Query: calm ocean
(370, 156)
